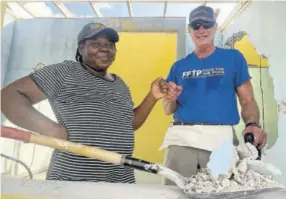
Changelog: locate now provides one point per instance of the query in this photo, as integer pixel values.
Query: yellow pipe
(21, 197)
(3, 11)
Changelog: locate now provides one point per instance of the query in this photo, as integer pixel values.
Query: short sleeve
(241, 69)
(50, 78)
(172, 74)
(126, 90)
(130, 96)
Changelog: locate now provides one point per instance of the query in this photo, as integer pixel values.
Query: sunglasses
(205, 24)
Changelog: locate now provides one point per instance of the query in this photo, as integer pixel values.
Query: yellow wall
(3, 10)
(249, 51)
(141, 58)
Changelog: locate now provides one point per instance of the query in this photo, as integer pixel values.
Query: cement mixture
(240, 177)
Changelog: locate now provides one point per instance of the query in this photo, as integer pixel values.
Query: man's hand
(174, 91)
(260, 136)
(159, 88)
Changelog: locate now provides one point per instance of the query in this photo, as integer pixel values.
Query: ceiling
(225, 10)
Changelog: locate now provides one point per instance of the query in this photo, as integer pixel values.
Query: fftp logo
(191, 73)
(203, 73)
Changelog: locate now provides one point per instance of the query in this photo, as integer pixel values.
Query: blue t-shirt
(209, 86)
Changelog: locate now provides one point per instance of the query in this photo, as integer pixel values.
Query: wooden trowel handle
(88, 151)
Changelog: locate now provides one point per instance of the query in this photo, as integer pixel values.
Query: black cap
(92, 29)
(202, 13)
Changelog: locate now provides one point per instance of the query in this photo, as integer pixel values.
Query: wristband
(253, 124)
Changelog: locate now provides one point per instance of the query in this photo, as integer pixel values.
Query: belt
(193, 123)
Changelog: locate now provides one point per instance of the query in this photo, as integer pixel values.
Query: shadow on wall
(262, 84)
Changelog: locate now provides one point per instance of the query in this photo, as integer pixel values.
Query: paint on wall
(262, 84)
(240, 41)
(3, 11)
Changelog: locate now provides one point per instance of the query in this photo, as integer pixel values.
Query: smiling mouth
(104, 58)
(201, 37)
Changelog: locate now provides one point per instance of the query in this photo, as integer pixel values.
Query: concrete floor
(140, 176)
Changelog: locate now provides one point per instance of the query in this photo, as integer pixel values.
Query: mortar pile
(240, 177)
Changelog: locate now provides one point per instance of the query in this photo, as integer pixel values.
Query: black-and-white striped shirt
(96, 112)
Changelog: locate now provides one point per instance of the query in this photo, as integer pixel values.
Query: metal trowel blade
(263, 168)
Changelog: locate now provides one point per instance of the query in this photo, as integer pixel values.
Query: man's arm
(249, 107)
(17, 100)
(250, 114)
(170, 101)
(169, 106)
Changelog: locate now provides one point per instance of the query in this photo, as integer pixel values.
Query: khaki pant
(185, 160)
(235, 138)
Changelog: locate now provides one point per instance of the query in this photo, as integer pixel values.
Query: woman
(92, 106)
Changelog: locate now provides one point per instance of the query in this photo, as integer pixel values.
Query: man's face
(202, 33)
(98, 53)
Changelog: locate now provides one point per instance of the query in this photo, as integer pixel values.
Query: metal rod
(165, 8)
(95, 9)
(63, 9)
(20, 162)
(22, 5)
(129, 8)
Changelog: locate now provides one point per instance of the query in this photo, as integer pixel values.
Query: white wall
(26, 43)
(6, 41)
(264, 21)
(9, 18)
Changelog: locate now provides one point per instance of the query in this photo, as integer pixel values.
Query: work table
(44, 189)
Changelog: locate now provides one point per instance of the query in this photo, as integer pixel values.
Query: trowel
(220, 162)
(94, 152)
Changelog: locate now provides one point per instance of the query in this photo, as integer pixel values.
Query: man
(92, 106)
(202, 96)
